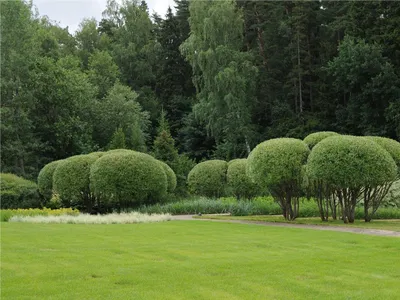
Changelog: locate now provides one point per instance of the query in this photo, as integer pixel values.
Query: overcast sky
(71, 12)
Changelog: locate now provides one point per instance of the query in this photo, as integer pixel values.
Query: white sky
(71, 12)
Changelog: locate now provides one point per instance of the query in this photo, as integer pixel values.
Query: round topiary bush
(208, 178)
(349, 164)
(314, 138)
(45, 180)
(71, 182)
(239, 183)
(17, 192)
(277, 165)
(391, 146)
(128, 178)
(171, 177)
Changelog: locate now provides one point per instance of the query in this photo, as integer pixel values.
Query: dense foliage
(71, 182)
(17, 192)
(314, 138)
(208, 81)
(277, 165)
(239, 183)
(208, 178)
(45, 180)
(124, 179)
(350, 166)
(227, 74)
(171, 177)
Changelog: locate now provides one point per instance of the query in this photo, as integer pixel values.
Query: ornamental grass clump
(208, 178)
(238, 182)
(277, 165)
(349, 165)
(125, 179)
(123, 218)
(71, 182)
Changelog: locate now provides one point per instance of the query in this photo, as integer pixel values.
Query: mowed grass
(194, 260)
(392, 224)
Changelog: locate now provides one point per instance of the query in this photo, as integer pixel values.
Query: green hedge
(171, 177)
(208, 178)
(71, 181)
(239, 183)
(17, 192)
(45, 180)
(314, 138)
(128, 178)
(350, 162)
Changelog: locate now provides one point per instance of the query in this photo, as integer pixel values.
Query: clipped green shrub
(171, 177)
(45, 180)
(239, 183)
(71, 182)
(314, 138)
(98, 153)
(348, 164)
(17, 192)
(208, 178)
(128, 178)
(391, 146)
(277, 165)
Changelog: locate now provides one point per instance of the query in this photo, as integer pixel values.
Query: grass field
(194, 260)
(392, 224)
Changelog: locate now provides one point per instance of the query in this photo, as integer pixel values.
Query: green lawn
(392, 224)
(194, 260)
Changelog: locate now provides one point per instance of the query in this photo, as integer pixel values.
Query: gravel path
(316, 227)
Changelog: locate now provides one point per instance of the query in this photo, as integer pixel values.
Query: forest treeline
(210, 80)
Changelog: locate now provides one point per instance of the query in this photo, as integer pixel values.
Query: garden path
(368, 231)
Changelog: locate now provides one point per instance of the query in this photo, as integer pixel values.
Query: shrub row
(17, 192)
(105, 181)
(337, 171)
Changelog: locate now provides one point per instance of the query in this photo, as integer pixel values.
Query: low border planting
(114, 218)
(6, 214)
(256, 206)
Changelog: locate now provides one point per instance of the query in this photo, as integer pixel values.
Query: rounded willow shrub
(277, 161)
(239, 183)
(277, 165)
(314, 138)
(45, 179)
(350, 162)
(71, 181)
(171, 177)
(128, 178)
(391, 146)
(17, 192)
(208, 178)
